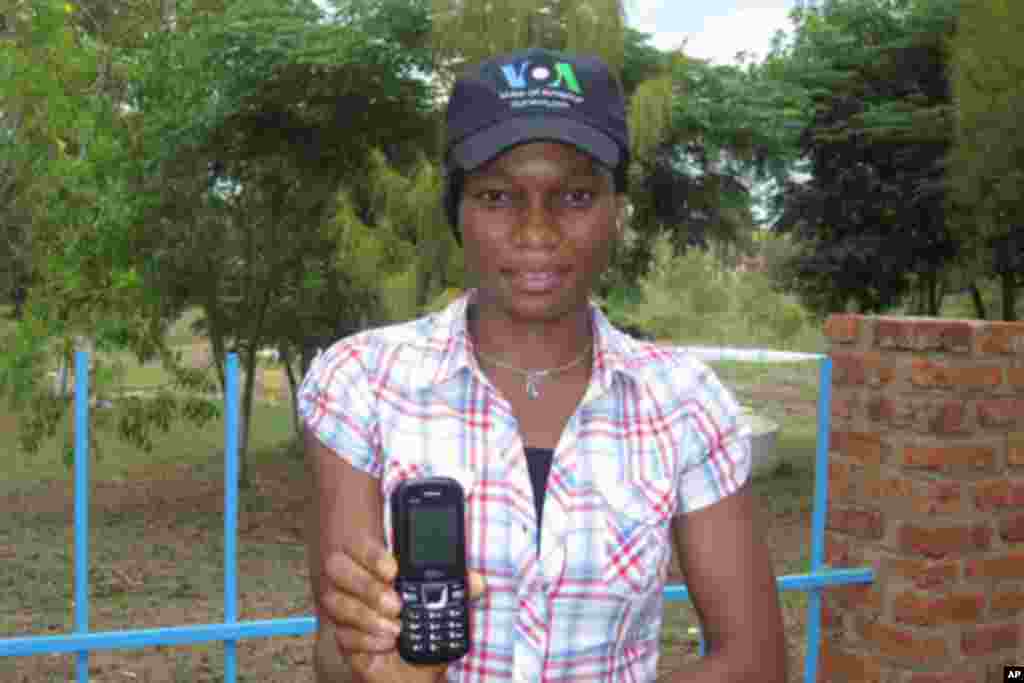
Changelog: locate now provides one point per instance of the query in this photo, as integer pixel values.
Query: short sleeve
(336, 403)
(717, 454)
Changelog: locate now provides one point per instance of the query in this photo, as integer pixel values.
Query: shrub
(693, 299)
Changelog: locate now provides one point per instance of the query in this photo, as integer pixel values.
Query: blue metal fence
(231, 630)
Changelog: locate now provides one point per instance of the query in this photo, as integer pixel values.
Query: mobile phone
(428, 521)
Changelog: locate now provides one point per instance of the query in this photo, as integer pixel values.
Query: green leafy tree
(872, 218)
(985, 162)
(467, 32)
(285, 111)
(66, 138)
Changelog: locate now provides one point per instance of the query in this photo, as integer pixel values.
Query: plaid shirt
(655, 435)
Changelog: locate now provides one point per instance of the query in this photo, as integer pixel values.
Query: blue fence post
(82, 508)
(231, 514)
(818, 520)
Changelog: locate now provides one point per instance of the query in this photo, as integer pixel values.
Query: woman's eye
(492, 196)
(579, 197)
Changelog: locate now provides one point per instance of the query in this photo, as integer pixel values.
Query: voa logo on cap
(540, 75)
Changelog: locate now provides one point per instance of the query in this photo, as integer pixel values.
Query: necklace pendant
(531, 386)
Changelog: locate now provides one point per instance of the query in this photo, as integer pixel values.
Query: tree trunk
(979, 303)
(293, 390)
(248, 393)
(1009, 286)
(933, 294)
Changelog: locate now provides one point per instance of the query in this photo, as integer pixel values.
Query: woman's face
(539, 223)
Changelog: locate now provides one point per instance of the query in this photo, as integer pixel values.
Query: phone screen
(433, 529)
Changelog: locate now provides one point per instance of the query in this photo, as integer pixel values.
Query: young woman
(584, 453)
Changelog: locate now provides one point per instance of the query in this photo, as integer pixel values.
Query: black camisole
(539, 462)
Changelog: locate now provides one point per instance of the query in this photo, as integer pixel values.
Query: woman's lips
(537, 281)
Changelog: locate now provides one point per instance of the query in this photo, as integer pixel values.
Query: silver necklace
(534, 376)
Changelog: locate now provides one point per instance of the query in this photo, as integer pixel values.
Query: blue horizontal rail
(299, 626)
(81, 641)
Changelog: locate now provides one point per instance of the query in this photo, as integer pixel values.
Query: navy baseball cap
(533, 95)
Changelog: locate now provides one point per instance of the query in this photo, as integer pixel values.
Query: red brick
(839, 552)
(1015, 449)
(837, 666)
(856, 596)
(835, 440)
(940, 498)
(949, 417)
(859, 368)
(947, 458)
(1015, 377)
(1001, 337)
(998, 493)
(926, 498)
(924, 574)
(841, 485)
(989, 638)
(1001, 412)
(940, 542)
(934, 415)
(930, 374)
(866, 524)
(929, 610)
(849, 368)
(1007, 567)
(981, 535)
(1011, 529)
(903, 644)
(1007, 603)
(882, 409)
(842, 328)
(865, 448)
(843, 407)
(831, 617)
(921, 334)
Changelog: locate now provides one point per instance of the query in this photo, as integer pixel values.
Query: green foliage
(467, 32)
(985, 162)
(871, 218)
(703, 135)
(692, 299)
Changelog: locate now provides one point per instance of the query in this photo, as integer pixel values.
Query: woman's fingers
(354, 641)
(349, 612)
(353, 578)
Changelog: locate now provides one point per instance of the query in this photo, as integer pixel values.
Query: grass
(200, 448)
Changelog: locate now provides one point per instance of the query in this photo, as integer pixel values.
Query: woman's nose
(538, 227)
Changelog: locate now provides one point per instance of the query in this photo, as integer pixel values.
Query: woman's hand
(358, 596)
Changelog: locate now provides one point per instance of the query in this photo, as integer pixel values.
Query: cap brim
(483, 146)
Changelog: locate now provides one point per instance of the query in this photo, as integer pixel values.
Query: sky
(712, 29)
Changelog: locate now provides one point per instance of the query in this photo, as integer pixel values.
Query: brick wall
(926, 486)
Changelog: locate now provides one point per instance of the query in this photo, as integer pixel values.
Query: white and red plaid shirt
(655, 435)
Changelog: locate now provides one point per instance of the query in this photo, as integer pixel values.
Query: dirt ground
(169, 508)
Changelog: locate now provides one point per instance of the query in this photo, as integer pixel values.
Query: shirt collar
(451, 347)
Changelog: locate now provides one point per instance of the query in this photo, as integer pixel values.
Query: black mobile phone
(428, 520)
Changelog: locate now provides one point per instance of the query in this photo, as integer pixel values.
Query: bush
(693, 299)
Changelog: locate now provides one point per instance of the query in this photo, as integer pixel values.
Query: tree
(468, 32)
(985, 162)
(703, 136)
(872, 217)
(285, 111)
(212, 179)
(67, 148)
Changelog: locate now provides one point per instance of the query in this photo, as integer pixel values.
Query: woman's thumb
(477, 585)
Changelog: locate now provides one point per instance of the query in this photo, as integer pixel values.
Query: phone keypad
(439, 632)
